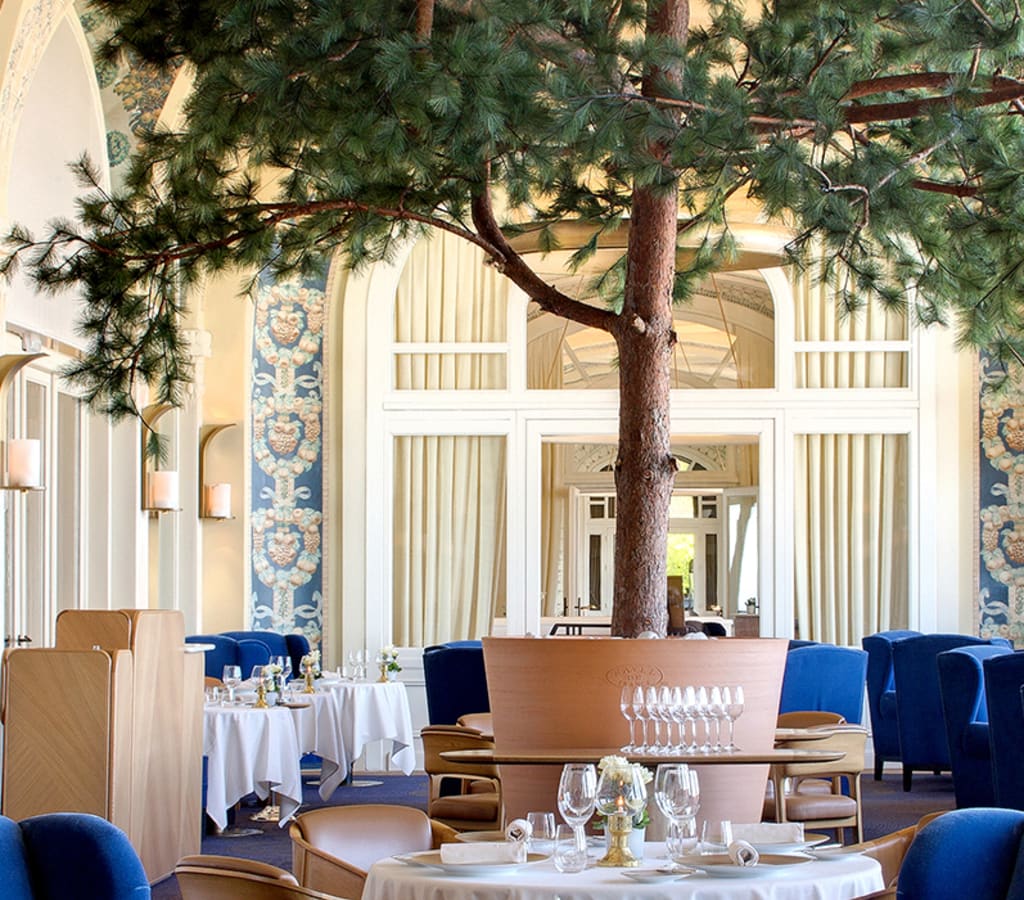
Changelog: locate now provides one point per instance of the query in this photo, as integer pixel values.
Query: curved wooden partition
(564, 693)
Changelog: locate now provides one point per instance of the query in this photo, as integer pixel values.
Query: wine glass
(286, 668)
(626, 708)
(577, 794)
(665, 712)
(732, 698)
(651, 708)
(703, 711)
(640, 714)
(256, 675)
(716, 710)
(690, 709)
(232, 678)
(674, 796)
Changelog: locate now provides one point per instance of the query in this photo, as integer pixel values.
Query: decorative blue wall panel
(287, 458)
(1001, 494)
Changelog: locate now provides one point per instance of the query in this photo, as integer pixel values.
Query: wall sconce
(160, 492)
(214, 499)
(22, 456)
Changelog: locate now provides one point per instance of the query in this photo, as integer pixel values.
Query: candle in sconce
(218, 500)
(163, 490)
(23, 463)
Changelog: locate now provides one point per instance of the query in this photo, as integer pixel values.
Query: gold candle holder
(309, 688)
(261, 696)
(383, 673)
(619, 825)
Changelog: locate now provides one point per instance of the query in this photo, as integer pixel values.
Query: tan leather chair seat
(474, 807)
(816, 807)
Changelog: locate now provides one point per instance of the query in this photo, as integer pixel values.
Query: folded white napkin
(518, 830)
(769, 832)
(484, 852)
(742, 854)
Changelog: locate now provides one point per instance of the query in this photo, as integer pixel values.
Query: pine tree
(885, 136)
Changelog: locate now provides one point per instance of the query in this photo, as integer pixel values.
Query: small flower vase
(309, 688)
(392, 675)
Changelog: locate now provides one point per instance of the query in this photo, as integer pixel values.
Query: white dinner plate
(810, 840)
(719, 865)
(656, 876)
(832, 853)
(431, 859)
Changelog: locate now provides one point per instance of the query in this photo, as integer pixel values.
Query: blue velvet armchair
(68, 856)
(1004, 676)
(922, 731)
(230, 652)
(885, 735)
(455, 680)
(972, 853)
(294, 646)
(825, 677)
(962, 688)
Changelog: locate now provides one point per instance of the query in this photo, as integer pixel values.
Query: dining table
(374, 711)
(838, 878)
(249, 751)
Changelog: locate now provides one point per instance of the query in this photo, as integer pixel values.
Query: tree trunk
(645, 468)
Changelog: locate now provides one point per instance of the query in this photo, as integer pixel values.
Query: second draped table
(253, 750)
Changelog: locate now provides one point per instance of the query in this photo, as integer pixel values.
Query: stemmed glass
(716, 710)
(677, 795)
(577, 794)
(703, 711)
(626, 708)
(732, 698)
(232, 678)
(691, 713)
(640, 714)
(651, 709)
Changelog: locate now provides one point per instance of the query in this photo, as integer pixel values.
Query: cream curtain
(544, 371)
(449, 506)
(851, 489)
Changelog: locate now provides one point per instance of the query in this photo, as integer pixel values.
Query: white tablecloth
(832, 880)
(318, 727)
(375, 711)
(250, 750)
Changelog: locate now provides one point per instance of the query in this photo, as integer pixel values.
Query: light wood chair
(334, 847)
(477, 804)
(821, 805)
(228, 878)
(811, 718)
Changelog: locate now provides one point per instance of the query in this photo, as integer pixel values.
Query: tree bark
(645, 467)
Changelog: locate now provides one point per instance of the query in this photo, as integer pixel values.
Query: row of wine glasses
(657, 708)
(357, 663)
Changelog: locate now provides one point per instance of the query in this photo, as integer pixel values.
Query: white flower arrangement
(311, 662)
(612, 766)
(388, 659)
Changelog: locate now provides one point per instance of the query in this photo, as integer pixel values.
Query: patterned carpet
(886, 808)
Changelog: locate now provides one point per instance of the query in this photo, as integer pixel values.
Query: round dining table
(842, 878)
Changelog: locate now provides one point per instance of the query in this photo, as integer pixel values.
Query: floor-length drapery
(850, 560)
(449, 490)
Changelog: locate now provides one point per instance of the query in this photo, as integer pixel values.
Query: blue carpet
(886, 808)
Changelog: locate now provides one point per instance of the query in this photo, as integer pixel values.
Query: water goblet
(232, 678)
(577, 794)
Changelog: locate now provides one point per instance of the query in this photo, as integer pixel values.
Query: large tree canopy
(887, 137)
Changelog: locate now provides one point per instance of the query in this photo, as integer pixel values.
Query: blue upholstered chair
(922, 730)
(885, 735)
(1004, 676)
(294, 646)
(826, 678)
(972, 853)
(230, 652)
(68, 856)
(455, 680)
(962, 688)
